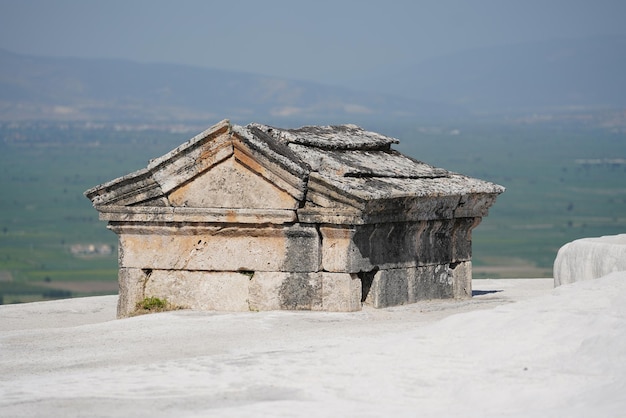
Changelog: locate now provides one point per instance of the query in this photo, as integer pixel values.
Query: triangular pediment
(223, 167)
(230, 184)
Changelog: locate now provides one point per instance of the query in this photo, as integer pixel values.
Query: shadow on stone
(484, 292)
(367, 278)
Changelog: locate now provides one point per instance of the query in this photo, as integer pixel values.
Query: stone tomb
(322, 218)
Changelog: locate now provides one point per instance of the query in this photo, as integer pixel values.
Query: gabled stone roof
(339, 137)
(328, 174)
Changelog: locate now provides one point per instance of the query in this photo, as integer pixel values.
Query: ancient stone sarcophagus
(321, 218)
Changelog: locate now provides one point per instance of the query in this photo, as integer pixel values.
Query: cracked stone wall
(298, 266)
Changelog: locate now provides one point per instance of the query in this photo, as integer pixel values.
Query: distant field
(44, 172)
(47, 226)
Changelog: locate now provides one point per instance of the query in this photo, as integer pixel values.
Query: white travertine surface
(590, 258)
(518, 348)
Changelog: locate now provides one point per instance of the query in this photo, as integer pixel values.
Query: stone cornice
(150, 214)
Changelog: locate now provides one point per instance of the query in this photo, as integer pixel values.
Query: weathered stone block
(341, 292)
(263, 290)
(432, 282)
(225, 291)
(301, 291)
(474, 205)
(462, 238)
(222, 248)
(202, 290)
(389, 288)
(435, 242)
(359, 248)
(131, 283)
(322, 291)
(340, 253)
(461, 275)
(356, 248)
(292, 291)
(394, 287)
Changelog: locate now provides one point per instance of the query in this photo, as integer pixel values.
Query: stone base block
(240, 291)
(214, 291)
(461, 274)
(322, 291)
(395, 287)
(131, 290)
(223, 291)
(318, 291)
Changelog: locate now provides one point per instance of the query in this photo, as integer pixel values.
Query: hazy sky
(329, 41)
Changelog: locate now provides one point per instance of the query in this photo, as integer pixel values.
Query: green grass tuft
(153, 304)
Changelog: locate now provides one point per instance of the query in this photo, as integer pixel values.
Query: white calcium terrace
(590, 258)
(518, 348)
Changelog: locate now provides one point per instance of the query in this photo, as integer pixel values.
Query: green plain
(551, 198)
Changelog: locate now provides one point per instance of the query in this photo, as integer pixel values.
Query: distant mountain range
(538, 76)
(115, 90)
(554, 75)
